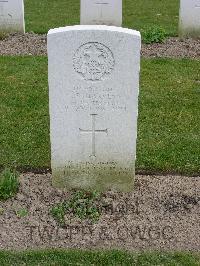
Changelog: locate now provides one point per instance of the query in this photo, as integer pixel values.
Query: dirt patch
(173, 48)
(24, 44)
(35, 44)
(162, 213)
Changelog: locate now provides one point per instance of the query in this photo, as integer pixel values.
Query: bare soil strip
(35, 44)
(162, 213)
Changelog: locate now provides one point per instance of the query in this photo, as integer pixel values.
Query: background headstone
(101, 12)
(189, 25)
(93, 88)
(12, 16)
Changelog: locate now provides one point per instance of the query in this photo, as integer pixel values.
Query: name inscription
(93, 98)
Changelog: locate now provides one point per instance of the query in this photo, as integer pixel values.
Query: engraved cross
(102, 4)
(93, 131)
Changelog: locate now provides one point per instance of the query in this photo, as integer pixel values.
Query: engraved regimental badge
(93, 61)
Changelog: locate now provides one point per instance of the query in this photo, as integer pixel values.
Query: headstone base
(102, 176)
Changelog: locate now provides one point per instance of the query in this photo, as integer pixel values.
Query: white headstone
(101, 12)
(12, 16)
(189, 25)
(93, 90)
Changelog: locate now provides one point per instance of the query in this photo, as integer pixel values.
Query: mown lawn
(71, 257)
(42, 15)
(169, 124)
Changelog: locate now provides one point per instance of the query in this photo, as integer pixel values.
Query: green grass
(83, 205)
(21, 213)
(113, 257)
(24, 131)
(42, 15)
(153, 34)
(9, 184)
(169, 125)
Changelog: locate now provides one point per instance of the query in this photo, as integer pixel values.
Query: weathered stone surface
(93, 87)
(12, 16)
(101, 12)
(189, 25)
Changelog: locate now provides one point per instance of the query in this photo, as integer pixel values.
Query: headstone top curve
(96, 28)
